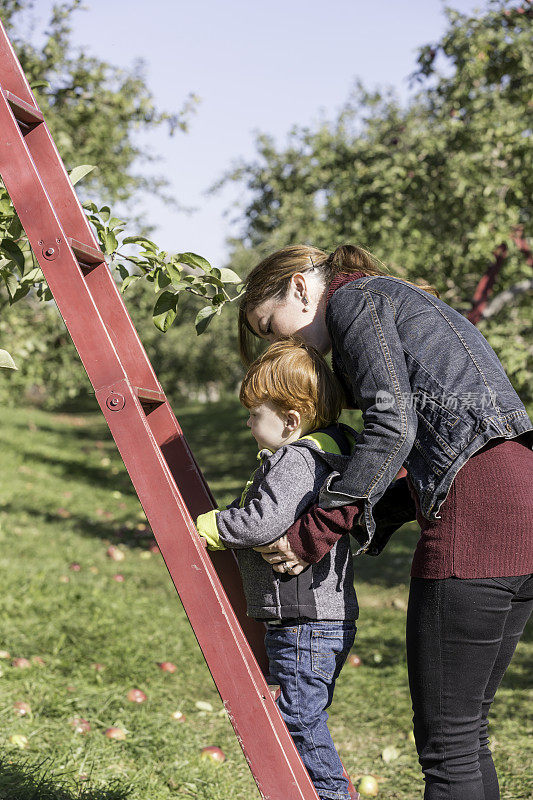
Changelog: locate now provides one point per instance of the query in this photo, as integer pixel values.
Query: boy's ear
(292, 420)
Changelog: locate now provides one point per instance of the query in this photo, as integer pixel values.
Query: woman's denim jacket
(431, 389)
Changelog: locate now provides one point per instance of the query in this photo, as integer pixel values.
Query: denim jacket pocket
(330, 648)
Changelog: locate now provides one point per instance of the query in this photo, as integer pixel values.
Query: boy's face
(271, 427)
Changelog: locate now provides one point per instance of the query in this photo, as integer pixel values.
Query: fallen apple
(98, 667)
(75, 566)
(38, 660)
(179, 716)
(390, 753)
(167, 666)
(19, 740)
(214, 753)
(5, 654)
(21, 708)
(368, 786)
(354, 660)
(136, 696)
(80, 725)
(64, 579)
(202, 705)
(21, 663)
(154, 548)
(118, 578)
(114, 553)
(94, 570)
(115, 733)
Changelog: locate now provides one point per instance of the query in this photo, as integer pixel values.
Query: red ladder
(170, 486)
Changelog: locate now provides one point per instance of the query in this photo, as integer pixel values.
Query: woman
(436, 400)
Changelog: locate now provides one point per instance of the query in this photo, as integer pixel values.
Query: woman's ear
(299, 286)
(292, 420)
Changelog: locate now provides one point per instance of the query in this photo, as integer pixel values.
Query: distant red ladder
(165, 475)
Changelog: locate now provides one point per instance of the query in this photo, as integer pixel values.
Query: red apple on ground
(21, 708)
(114, 553)
(178, 716)
(167, 666)
(38, 660)
(80, 725)
(136, 696)
(21, 663)
(214, 753)
(118, 578)
(354, 660)
(115, 733)
(75, 566)
(368, 786)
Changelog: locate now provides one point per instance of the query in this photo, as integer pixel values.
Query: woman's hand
(281, 557)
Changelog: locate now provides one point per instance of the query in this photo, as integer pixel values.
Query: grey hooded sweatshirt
(285, 484)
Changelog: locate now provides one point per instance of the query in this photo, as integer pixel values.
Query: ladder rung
(23, 111)
(85, 252)
(149, 395)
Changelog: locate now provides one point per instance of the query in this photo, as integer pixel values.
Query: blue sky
(256, 67)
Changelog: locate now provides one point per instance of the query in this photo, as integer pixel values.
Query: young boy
(294, 401)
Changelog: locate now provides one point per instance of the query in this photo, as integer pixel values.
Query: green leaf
(108, 240)
(13, 252)
(6, 361)
(11, 283)
(105, 213)
(228, 276)
(114, 222)
(39, 85)
(193, 260)
(165, 310)
(162, 280)
(139, 240)
(80, 172)
(126, 282)
(203, 318)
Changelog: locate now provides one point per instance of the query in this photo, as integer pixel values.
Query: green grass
(64, 497)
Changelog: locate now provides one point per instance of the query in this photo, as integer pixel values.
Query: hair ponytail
(272, 276)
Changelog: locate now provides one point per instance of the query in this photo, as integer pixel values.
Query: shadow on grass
(20, 779)
(112, 532)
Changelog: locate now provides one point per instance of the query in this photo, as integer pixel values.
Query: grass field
(64, 498)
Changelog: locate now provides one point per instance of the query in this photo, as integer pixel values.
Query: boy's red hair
(294, 376)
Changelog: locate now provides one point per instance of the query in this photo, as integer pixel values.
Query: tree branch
(502, 299)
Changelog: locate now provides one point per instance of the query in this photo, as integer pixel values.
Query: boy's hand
(281, 557)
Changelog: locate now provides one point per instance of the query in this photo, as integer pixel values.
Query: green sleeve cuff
(206, 525)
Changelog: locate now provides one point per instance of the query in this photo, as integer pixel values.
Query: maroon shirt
(474, 538)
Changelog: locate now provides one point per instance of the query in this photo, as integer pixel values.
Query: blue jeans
(306, 658)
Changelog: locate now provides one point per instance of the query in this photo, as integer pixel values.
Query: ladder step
(85, 253)
(23, 111)
(150, 395)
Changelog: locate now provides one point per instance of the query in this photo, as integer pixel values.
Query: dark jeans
(461, 635)
(306, 659)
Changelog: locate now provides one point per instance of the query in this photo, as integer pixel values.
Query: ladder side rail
(260, 729)
(12, 75)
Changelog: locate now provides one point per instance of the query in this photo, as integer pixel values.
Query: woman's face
(275, 319)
